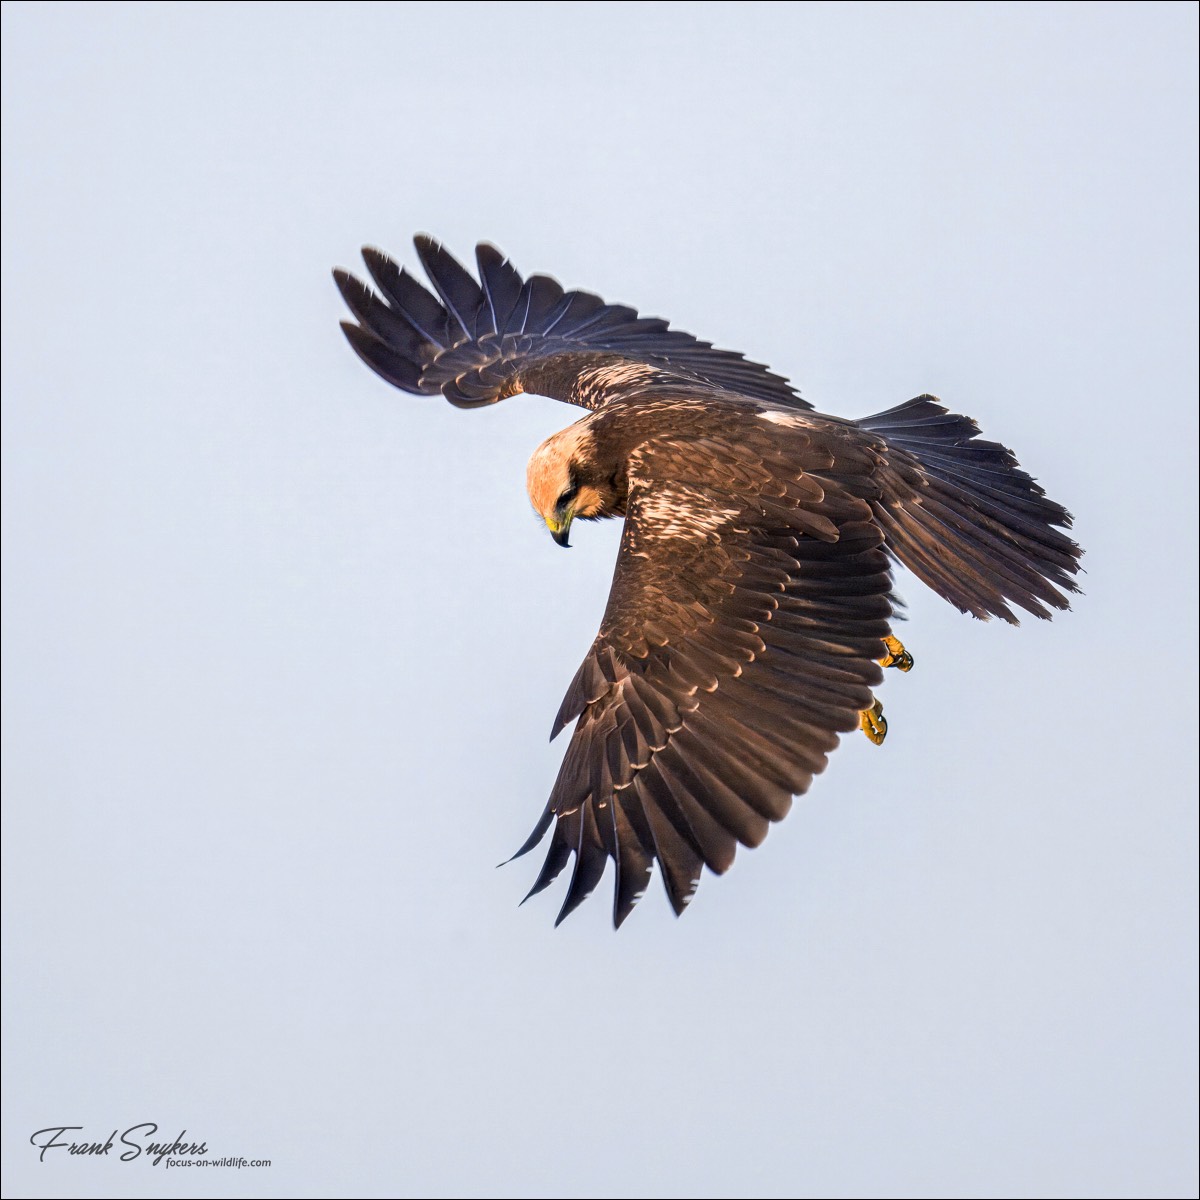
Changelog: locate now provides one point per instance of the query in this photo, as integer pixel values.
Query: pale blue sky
(282, 645)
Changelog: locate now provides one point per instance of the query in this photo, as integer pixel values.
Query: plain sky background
(283, 645)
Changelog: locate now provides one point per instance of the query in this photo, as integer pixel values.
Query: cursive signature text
(135, 1139)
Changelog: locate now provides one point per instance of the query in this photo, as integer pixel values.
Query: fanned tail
(963, 516)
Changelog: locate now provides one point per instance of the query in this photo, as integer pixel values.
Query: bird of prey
(750, 615)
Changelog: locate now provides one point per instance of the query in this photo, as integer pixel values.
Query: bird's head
(565, 481)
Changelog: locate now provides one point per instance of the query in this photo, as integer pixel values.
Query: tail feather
(963, 516)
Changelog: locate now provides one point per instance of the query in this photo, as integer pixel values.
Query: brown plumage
(752, 595)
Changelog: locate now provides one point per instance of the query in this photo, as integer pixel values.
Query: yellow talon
(896, 655)
(872, 723)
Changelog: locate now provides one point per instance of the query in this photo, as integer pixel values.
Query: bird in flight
(749, 619)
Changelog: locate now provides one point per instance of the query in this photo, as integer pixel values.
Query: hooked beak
(560, 529)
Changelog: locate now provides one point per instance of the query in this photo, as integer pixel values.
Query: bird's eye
(568, 495)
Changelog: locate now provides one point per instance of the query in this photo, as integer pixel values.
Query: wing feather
(501, 287)
(477, 341)
(675, 848)
(633, 845)
(590, 860)
(462, 297)
(412, 302)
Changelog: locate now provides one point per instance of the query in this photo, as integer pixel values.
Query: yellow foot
(872, 723)
(896, 655)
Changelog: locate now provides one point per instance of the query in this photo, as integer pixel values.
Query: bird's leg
(896, 655)
(871, 720)
(872, 723)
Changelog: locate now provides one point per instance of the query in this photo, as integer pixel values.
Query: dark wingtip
(385, 362)
(429, 251)
(372, 254)
(490, 253)
(350, 286)
(539, 832)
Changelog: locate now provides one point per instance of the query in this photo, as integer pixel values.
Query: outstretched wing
(477, 342)
(749, 604)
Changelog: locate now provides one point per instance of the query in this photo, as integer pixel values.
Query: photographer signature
(54, 1137)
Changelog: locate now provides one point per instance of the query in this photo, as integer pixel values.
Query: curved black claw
(871, 722)
(896, 655)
